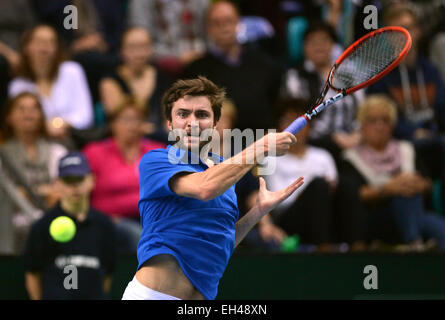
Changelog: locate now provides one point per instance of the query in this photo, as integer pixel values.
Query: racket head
(369, 59)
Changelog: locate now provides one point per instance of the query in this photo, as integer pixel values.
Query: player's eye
(202, 114)
(182, 113)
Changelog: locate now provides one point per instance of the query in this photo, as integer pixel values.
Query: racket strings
(369, 59)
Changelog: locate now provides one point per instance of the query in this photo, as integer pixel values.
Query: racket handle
(297, 125)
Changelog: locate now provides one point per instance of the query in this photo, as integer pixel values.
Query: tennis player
(189, 209)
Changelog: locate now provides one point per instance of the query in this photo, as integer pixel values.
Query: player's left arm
(266, 202)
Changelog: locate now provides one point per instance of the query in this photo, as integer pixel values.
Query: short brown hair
(200, 86)
(7, 130)
(24, 68)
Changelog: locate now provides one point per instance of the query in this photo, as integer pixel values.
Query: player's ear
(169, 125)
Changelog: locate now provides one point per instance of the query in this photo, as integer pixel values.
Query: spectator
(136, 77)
(177, 28)
(417, 88)
(334, 129)
(309, 211)
(339, 14)
(251, 79)
(61, 85)
(92, 250)
(436, 50)
(265, 235)
(95, 40)
(114, 164)
(15, 18)
(13, 200)
(32, 156)
(7, 241)
(89, 35)
(388, 184)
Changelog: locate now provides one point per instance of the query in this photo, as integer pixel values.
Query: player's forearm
(221, 177)
(217, 179)
(246, 223)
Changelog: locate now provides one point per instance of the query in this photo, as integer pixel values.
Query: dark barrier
(294, 276)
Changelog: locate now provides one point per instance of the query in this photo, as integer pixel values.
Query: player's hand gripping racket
(365, 62)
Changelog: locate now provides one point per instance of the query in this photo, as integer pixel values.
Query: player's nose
(193, 125)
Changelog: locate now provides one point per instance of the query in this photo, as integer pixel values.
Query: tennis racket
(363, 63)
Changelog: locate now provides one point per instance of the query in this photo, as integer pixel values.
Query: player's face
(193, 115)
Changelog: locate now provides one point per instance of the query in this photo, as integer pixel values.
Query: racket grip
(297, 125)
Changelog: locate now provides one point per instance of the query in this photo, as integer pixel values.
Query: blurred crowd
(374, 163)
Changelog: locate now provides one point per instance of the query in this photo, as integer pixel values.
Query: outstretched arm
(266, 201)
(217, 179)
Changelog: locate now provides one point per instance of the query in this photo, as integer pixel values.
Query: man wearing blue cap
(92, 250)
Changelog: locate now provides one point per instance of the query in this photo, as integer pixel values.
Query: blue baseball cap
(74, 164)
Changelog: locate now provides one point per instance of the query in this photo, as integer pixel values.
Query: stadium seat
(296, 27)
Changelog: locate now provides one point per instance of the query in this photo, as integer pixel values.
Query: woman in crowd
(31, 156)
(136, 77)
(61, 85)
(114, 163)
(389, 186)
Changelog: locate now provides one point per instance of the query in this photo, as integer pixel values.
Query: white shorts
(137, 291)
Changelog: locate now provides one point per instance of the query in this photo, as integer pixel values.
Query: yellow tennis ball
(62, 229)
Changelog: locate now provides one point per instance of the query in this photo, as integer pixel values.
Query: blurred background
(89, 75)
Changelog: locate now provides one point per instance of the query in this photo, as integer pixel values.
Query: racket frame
(380, 75)
(301, 121)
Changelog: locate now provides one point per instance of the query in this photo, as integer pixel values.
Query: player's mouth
(191, 139)
(191, 135)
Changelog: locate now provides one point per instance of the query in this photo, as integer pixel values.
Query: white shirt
(70, 97)
(315, 163)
